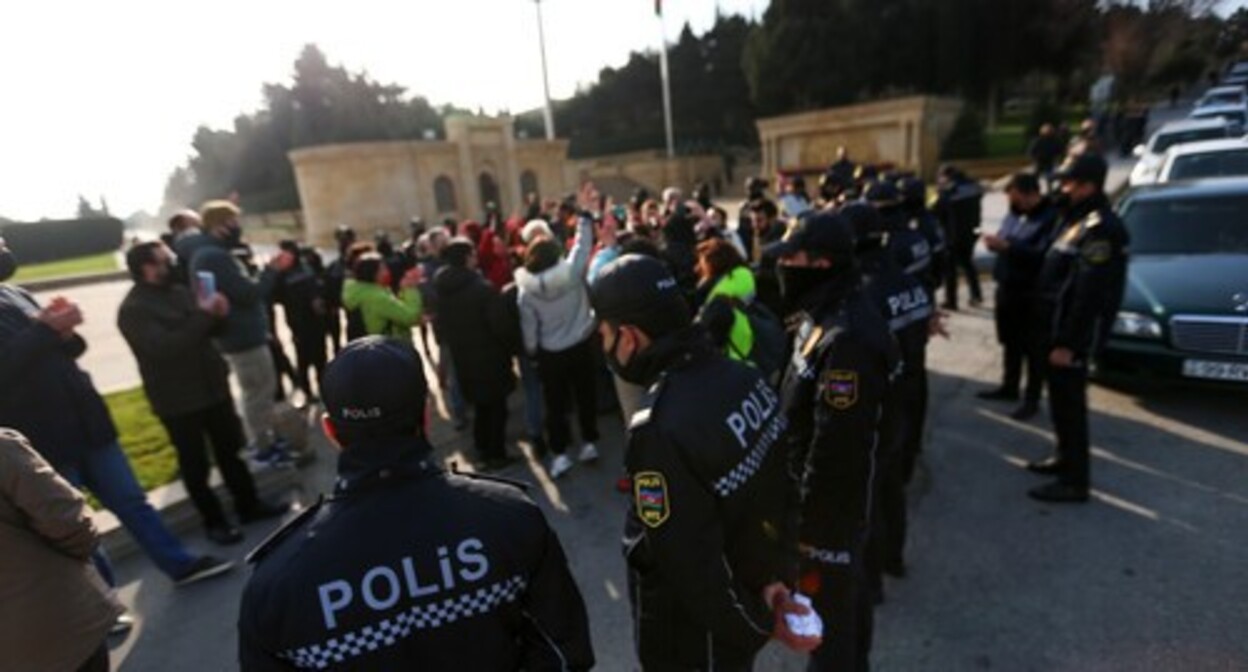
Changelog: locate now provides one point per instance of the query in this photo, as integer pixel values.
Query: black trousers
(333, 325)
(310, 357)
(894, 469)
(837, 590)
(489, 428)
(1068, 404)
(962, 257)
(1016, 331)
(281, 367)
(568, 379)
(221, 425)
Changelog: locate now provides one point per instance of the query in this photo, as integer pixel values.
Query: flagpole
(547, 113)
(667, 86)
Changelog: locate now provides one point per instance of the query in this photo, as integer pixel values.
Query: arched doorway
(528, 184)
(444, 194)
(489, 191)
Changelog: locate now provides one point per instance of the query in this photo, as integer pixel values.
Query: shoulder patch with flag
(650, 498)
(839, 388)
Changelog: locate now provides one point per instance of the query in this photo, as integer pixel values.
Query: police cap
(376, 385)
(641, 291)
(819, 232)
(866, 223)
(1090, 168)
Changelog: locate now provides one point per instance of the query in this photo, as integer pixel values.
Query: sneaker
(223, 535)
(205, 567)
(589, 453)
(263, 511)
(560, 466)
(276, 456)
(123, 624)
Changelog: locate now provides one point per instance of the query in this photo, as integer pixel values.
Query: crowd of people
(770, 372)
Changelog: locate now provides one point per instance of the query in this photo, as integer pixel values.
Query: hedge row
(53, 240)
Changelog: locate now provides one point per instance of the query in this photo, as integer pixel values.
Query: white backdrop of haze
(103, 98)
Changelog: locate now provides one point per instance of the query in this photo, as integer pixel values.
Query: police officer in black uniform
(907, 307)
(407, 566)
(708, 538)
(919, 218)
(335, 276)
(1078, 295)
(833, 395)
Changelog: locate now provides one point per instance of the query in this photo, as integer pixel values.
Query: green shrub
(53, 240)
(967, 140)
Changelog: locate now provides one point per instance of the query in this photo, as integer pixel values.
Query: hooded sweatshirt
(554, 304)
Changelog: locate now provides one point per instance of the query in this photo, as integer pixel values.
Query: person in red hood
(491, 253)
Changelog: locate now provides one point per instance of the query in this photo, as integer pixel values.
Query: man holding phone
(244, 334)
(187, 383)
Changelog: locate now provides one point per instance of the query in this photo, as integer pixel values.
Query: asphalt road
(1148, 576)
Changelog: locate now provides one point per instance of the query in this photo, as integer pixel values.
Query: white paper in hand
(809, 625)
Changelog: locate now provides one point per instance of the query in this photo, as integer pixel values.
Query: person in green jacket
(723, 274)
(383, 313)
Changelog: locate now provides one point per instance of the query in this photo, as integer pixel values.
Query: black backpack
(770, 340)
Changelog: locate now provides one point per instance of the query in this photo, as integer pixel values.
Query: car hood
(1165, 285)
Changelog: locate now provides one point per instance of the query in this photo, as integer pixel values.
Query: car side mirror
(1139, 151)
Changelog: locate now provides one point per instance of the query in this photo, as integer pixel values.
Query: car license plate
(1196, 368)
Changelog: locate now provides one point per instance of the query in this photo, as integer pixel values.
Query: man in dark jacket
(960, 211)
(244, 335)
(833, 395)
(1078, 294)
(187, 384)
(44, 395)
(1020, 246)
(473, 322)
(709, 537)
(406, 566)
(1045, 151)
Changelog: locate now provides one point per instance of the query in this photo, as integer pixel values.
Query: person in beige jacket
(55, 610)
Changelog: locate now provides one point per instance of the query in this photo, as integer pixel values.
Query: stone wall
(907, 132)
(375, 186)
(654, 171)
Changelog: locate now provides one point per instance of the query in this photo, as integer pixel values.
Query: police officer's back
(706, 538)
(833, 394)
(407, 566)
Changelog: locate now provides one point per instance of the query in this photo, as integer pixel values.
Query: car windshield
(1210, 164)
(1222, 98)
(1164, 142)
(1188, 225)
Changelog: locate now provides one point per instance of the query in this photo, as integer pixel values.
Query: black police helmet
(867, 224)
(882, 194)
(913, 191)
(822, 233)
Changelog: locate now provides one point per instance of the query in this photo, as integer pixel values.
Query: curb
(178, 512)
(73, 281)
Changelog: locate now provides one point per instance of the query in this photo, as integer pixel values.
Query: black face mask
(798, 282)
(1061, 201)
(8, 265)
(233, 236)
(634, 371)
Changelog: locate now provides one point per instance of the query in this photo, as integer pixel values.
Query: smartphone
(206, 283)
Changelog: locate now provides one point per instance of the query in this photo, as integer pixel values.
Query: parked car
(1220, 96)
(1235, 115)
(1173, 133)
(1207, 159)
(1185, 311)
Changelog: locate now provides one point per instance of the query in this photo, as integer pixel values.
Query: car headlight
(1136, 325)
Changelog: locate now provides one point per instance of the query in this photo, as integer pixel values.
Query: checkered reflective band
(745, 469)
(388, 632)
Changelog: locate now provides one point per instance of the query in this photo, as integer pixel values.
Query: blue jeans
(107, 474)
(532, 386)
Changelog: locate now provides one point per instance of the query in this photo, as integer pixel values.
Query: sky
(102, 98)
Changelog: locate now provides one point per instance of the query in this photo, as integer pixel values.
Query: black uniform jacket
(410, 567)
(707, 530)
(834, 393)
(1083, 277)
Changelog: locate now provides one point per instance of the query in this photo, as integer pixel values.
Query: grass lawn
(143, 438)
(94, 264)
(1006, 140)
